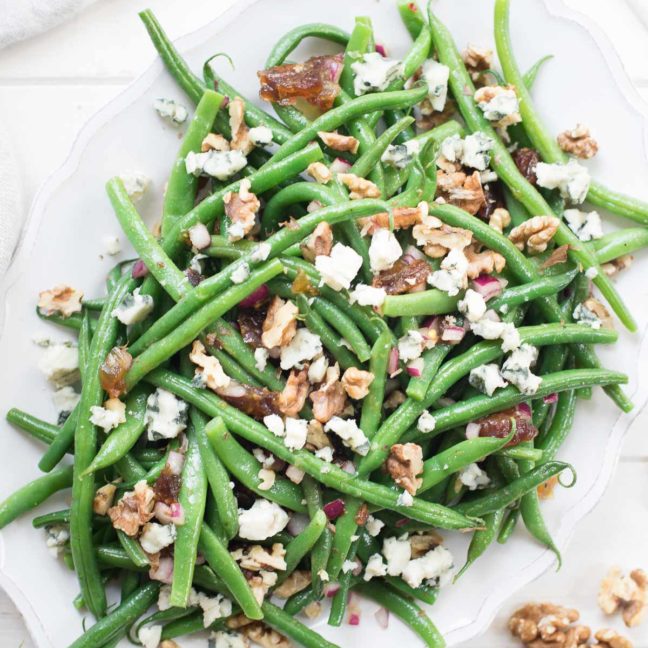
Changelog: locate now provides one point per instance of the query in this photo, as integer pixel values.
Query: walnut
(536, 233)
(477, 60)
(316, 438)
(578, 142)
(256, 557)
(319, 243)
(214, 142)
(421, 543)
(330, 399)
(63, 300)
(428, 118)
(487, 93)
(600, 311)
(617, 265)
(461, 190)
(558, 256)
(404, 217)
(292, 398)
(394, 399)
(545, 625)
(404, 463)
(265, 636)
(319, 172)
(103, 499)
(313, 610)
(261, 582)
(437, 238)
(608, 638)
(209, 368)
(241, 208)
(134, 509)
(356, 382)
(280, 324)
(240, 132)
(500, 219)
(359, 187)
(485, 262)
(339, 142)
(626, 593)
(297, 581)
(169, 643)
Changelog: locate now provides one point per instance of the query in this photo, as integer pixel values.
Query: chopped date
(406, 275)
(167, 486)
(256, 402)
(250, 323)
(113, 371)
(499, 425)
(494, 199)
(526, 160)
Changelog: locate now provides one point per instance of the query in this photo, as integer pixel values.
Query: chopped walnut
(265, 636)
(63, 300)
(241, 208)
(260, 583)
(477, 60)
(578, 142)
(608, 638)
(319, 243)
(626, 593)
(536, 233)
(559, 255)
(404, 463)
(546, 489)
(485, 262)
(339, 142)
(404, 217)
(214, 142)
(461, 190)
(103, 499)
(280, 324)
(538, 624)
(617, 265)
(356, 382)
(240, 132)
(208, 367)
(330, 399)
(394, 399)
(359, 187)
(134, 509)
(297, 581)
(169, 643)
(421, 543)
(319, 172)
(428, 118)
(500, 219)
(256, 557)
(437, 238)
(294, 394)
(316, 438)
(313, 610)
(600, 311)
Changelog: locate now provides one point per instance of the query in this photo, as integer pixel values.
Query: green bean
(427, 302)
(55, 517)
(503, 164)
(35, 427)
(547, 146)
(517, 295)
(483, 538)
(508, 526)
(116, 623)
(245, 467)
(522, 452)
(372, 403)
(411, 17)
(410, 613)
(125, 435)
(130, 469)
(531, 74)
(298, 601)
(129, 583)
(341, 597)
(61, 443)
(170, 614)
(220, 560)
(34, 493)
(133, 549)
(300, 546)
(560, 426)
(616, 244)
(432, 358)
(322, 549)
(285, 624)
(330, 476)
(535, 524)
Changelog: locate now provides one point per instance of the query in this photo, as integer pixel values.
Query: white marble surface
(49, 87)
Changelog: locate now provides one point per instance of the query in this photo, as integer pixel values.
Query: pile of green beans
(224, 449)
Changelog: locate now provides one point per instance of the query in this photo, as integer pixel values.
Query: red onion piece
(164, 571)
(488, 286)
(472, 430)
(381, 50)
(339, 165)
(401, 522)
(415, 368)
(177, 514)
(297, 524)
(412, 254)
(139, 269)
(354, 618)
(382, 617)
(550, 398)
(162, 512)
(330, 589)
(392, 366)
(348, 467)
(453, 334)
(334, 509)
(524, 409)
(255, 297)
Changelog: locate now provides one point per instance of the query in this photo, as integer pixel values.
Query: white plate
(62, 243)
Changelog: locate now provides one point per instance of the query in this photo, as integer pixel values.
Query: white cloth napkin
(20, 19)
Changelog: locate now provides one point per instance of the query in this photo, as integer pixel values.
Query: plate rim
(570, 521)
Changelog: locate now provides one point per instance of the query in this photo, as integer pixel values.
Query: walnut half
(626, 593)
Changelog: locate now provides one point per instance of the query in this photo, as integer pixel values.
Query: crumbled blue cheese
(60, 363)
(375, 567)
(229, 639)
(473, 305)
(213, 607)
(352, 436)
(401, 155)
(491, 329)
(410, 346)
(487, 378)
(473, 477)
(108, 417)
(452, 276)
(434, 568)
(170, 110)
(384, 250)
(136, 184)
(317, 369)
(499, 104)
(367, 295)
(150, 635)
(517, 369)
(260, 135)
(296, 431)
(65, 400)
(571, 179)
(397, 552)
(405, 499)
(166, 415)
(349, 566)
(325, 454)
(436, 77)
(56, 537)
(586, 225)
(374, 526)
(156, 537)
(260, 253)
(425, 423)
(587, 317)
(241, 273)
(134, 308)
(261, 358)
(275, 424)
(304, 346)
(340, 268)
(262, 520)
(217, 164)
(476, 151)
(452, 148)
(373, 73)
(111, 244)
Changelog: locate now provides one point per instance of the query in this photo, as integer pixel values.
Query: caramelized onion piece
(406, 275)
(113, 371)
(499, 425)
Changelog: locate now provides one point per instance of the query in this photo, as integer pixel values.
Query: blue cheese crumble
(499, 104)
(217, 164)
(473, 477)
(571, 179)
(586, 225)
(133, 308)
(166, 415)
(587, 317)
(436, 77)
(517, 369)
(373, 73)
(352, 436)
(401, 155)
(487, 378)
(452, 276)
(136, 184)
(170, 110)
(384, 250)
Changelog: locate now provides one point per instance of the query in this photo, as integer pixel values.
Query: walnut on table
(626, 593)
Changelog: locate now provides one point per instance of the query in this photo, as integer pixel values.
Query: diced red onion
(550, 398)
(334, 509)
(313, 205)
(164, 571)
(297, 524)
(415, 368)
(255, 297)
(175, 462)
(453, 333)
(401, 522)
(225, 102)
(295, 474)
(199, 236)
(339, 165)
(472, 430)
(139, 269)
(381, 50)
(177, 514)
(524, 409)
(354, 618)
(412, 253)
(392, 366)
(162, 512)
(382, 617)
(348, 467)
(488, 286)
(357, 570)
(330, 589)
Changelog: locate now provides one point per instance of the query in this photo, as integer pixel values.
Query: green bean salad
(361, 324)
